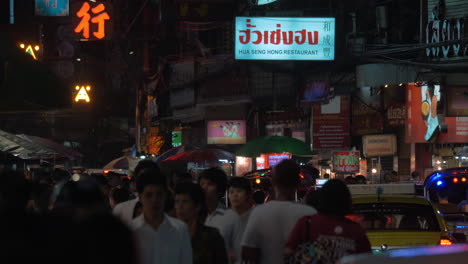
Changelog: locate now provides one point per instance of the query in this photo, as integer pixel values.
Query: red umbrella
(202, 155)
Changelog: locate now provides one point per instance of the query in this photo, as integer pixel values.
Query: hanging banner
(345, 161)
(285, 38)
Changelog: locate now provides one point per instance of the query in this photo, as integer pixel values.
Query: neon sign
(30, 50)
(82, 94)
(92, 20)
(285, 38)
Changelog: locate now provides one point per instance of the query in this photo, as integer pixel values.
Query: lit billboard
(51, 8)
(226, 132)
(285, 38)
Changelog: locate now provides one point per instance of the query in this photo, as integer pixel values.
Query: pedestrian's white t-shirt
(269, 226)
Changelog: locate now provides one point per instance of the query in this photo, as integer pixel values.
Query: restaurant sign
(345, 161)
(285, 38)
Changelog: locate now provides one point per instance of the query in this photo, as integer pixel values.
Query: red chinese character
(100, 20)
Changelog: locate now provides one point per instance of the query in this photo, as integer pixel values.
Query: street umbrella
(274, 144)
(174, 151)
(202, 155)
(123, 162)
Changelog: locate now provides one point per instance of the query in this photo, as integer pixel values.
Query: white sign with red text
(285, 38)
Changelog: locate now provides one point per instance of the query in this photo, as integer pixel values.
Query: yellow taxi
(394, 217)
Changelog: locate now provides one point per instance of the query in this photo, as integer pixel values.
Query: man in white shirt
(129, 210)
(213, 181)
(161, 238)
(269, 225)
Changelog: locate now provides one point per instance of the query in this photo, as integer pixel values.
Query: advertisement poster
(226, 132)
(345, 162)
(266, 161)
(284, 38)
(51, 8)
(330, 128)
(420, 113)
(243, 165)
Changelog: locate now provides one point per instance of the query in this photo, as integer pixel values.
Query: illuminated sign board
(226, 132)
(285, 38)
(51, 8)
(91, 20)
(265, 2)
(30, 50)
(82, 94)
(345, 161)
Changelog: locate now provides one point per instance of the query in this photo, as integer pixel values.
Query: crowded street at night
(234, 131)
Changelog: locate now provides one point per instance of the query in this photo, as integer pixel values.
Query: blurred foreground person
(102, 237)
(161, 238)
(207, 243)
(269, 224)
(328, 235)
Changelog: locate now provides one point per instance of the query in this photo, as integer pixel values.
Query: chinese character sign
(285, 38)
(92, 20)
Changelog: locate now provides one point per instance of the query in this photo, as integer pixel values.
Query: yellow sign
(29, 49)
(82, 93)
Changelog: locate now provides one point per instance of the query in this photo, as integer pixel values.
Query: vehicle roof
(410, 199)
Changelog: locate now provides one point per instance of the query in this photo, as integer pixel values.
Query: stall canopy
(31, 147)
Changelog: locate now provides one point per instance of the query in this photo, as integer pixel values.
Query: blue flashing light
(439, 183)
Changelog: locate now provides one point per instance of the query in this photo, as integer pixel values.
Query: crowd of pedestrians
(151, 219)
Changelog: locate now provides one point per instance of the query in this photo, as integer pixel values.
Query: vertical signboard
(285, 38)
(330, 128)
(91, 20)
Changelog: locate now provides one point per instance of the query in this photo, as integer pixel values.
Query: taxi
(394, 217)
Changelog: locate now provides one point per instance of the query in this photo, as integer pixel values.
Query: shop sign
(396, 115)
(420, 109)
(226, 132)
(330, 127)
(263, 2)
(275, 158)
(379, 145)
(284, 38)
(51, 8)
(442, 31)
(366, 120)
(345, 161)
(92, 20)
(176, 139)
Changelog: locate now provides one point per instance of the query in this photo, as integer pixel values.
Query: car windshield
(395, 216)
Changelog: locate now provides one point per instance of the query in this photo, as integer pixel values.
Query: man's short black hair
(286, 174)
(150, 176)
(334, 198)
(217, 176)
(145, 164)
(241, 183)
(195, 192)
